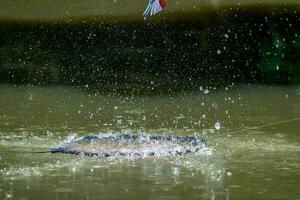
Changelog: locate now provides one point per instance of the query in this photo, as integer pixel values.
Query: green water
(254, 155)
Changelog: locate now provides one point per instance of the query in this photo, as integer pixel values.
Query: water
(252, 134)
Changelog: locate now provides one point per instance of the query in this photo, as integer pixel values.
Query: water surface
(252, 132)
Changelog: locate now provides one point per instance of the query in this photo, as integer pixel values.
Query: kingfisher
(153, 7)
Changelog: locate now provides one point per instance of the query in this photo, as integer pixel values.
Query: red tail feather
(162, 3)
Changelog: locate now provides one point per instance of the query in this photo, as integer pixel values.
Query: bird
(153, 7)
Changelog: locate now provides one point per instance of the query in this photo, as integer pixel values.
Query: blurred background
(100, 43)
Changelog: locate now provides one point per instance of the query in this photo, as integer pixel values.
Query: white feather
(152, 8)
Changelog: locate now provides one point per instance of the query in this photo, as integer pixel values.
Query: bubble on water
(206, 91)
(217, 125)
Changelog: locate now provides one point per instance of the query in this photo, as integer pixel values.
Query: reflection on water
(251, 131)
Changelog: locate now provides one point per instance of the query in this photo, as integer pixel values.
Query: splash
(128, 145)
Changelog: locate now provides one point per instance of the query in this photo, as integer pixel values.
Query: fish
(127, 145)
(154, 7)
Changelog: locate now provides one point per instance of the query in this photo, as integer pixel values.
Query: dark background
(174, 52)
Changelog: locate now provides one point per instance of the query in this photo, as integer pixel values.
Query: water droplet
(206, 91)
(217, 125)
(176, 171)
(8, 195)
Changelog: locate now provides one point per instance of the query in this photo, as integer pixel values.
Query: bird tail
(153, 7)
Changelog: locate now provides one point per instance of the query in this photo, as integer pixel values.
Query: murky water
(252, 134)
